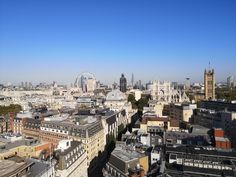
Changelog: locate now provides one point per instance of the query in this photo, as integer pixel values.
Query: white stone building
(164, 91)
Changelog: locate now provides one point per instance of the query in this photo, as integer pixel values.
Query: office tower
(132, 80)
(187, 83)
(230, 81)
(123, 83)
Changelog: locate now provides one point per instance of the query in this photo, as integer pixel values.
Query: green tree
(12, 108)
(142, 102)
(228, 94)
(131, 99)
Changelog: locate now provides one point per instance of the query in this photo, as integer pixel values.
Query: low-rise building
(214, 119)
(137, 93)
(155, 155)
(83, 102)
(17, 166)
(187, 138)
(112, 120)
(164, 122)
(125, 162)
(204, 117)
(182, 112)
(31, 127)
(71, 159)
(26, 148)
(157, 106)
(232, 133)
(200, 159)
(87, 129)
(221, 141)
(219, 105)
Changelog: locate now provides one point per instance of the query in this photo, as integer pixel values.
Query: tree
(15, 108)
(142, 102)
(131, 99)
(228, 94)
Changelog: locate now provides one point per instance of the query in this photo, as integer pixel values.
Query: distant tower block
(86, 81)
(123, 83)
(209, 82)
(187, 84)
(132, 80)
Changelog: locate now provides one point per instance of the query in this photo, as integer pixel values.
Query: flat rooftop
(177, 170)
(126, 153)
(208, 151)
(11, 167)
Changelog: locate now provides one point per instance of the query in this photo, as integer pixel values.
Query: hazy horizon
(155, 40)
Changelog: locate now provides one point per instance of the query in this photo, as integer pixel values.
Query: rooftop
(73, 145)
(208, 151)
(115, 95)
(175, 169)
(221, 139)
(126, 153)
(38, 167)
(23, 142)
(11, 167)
(145, 119)
(57, 117)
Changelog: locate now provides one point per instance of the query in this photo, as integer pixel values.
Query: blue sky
(46, 40)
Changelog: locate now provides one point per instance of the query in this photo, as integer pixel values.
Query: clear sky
(46, 40)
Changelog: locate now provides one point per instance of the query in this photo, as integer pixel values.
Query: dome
(115, 95)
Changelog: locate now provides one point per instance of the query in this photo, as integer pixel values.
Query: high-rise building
(123, 83)
(230, 81)
(22, 84)
(209, 81)
(140, 84)
(187, 83)
(88, 82)
(132, 80)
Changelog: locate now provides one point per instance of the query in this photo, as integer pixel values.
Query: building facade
(182, 112)
(165, 92)
(72, 159)
(230, 81)
(4, 125)
(89, 130)
(31, 127)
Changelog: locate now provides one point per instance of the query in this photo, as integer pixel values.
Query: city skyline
(47, 41)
